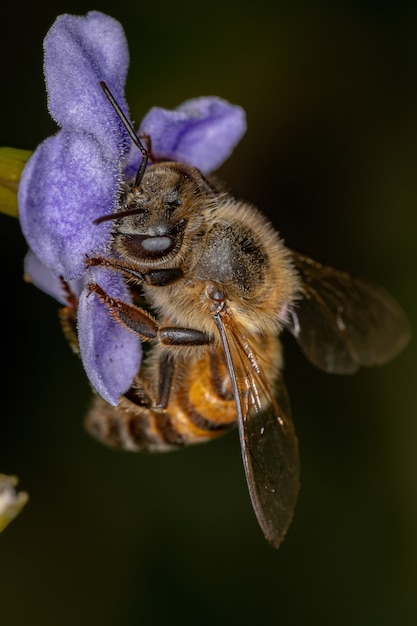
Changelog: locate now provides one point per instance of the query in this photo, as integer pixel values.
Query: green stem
(12, 162)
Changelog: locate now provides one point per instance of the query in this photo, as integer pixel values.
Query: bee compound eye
(148, 246)
(156, 244)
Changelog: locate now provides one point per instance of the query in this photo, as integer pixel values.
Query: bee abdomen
(201, 407)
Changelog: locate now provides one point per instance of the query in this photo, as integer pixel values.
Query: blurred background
(117, 539)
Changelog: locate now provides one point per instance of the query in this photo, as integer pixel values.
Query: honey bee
(215, 286)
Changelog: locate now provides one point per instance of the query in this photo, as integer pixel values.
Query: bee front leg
(142, 323)
(154, 277)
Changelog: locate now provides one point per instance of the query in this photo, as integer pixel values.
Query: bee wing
(268, 441)
(343, 322)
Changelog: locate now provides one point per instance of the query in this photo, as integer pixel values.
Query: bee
(215, 286)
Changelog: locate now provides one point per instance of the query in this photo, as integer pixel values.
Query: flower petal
(65, 186)
(201, 132)
(79, 52)
(111, 354)
(46, 280)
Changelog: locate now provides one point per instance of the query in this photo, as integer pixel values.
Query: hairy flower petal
(79, 52)
(46, 280)
(111, 354)
(201, 132)
(65, 186)
(75, 177)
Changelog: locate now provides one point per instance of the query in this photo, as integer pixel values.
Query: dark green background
(115, 539)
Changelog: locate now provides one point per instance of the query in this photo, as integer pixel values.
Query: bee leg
(115, 264)
(139, 396)
(68, 316)
(155, 401)
(70, 297)
(175, 336)
(154, 277)
(166, 372)
(131, 316)
(138, 320)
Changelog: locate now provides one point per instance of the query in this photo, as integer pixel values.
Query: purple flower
(74, 177)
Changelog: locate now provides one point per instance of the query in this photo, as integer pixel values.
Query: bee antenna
(131, 131)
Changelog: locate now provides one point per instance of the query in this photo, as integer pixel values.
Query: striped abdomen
(201, 406)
